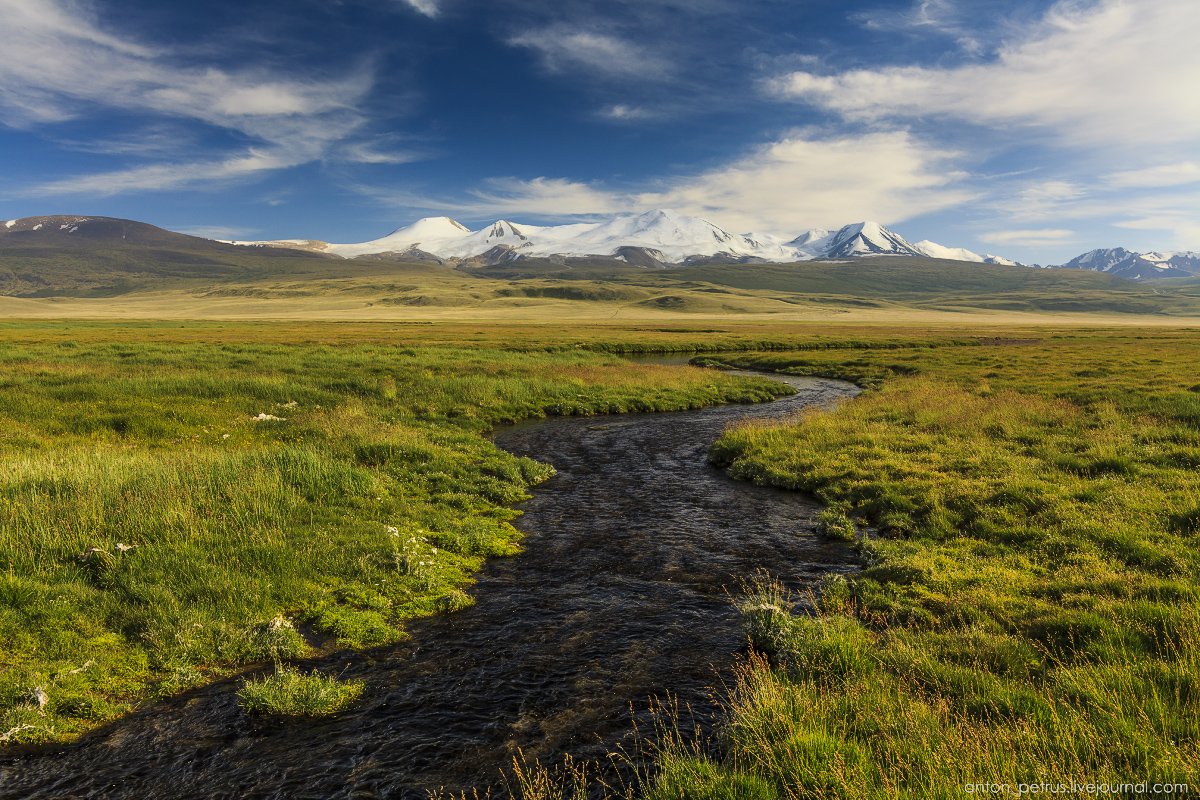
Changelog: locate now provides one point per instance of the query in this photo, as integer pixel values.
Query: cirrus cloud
(1030, 237)
(563, 47)
(428, 8)
(1161, 175)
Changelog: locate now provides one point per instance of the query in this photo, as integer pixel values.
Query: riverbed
(621, 596)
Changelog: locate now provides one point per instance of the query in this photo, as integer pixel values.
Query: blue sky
(1028, 128)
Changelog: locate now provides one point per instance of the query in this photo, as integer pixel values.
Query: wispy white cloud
(1162, 175)
(1041, 199)
(60, 63)
(1061, 77)
(625, 113)
(549, 198)
(1089, 96)
(1031, 237)
(375, 153)
(1181, 229)
(941, 17)
(1169, 211)
(154, 141)
(429, 8)
(564, 47)
(157, 177)
(219, 232)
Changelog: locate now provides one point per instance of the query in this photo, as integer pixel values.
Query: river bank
(620, 596)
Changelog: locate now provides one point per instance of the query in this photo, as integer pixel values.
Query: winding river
(620, 596)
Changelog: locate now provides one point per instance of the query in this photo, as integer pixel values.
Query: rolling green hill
(951, 285)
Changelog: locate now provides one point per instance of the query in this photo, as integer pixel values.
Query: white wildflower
(269, 418)
(280, 623)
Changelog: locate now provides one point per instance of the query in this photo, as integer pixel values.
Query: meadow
(182, 499)
(173, 511)
(1028, 509)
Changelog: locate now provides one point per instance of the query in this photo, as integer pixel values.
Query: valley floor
(738, 313)
(1026, 495)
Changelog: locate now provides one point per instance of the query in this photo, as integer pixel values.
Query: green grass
(1027, 502)
(155, 534)
(1030, 611)
(292, 693)
(943, 285)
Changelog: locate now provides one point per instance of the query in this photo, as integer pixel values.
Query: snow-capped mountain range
(1136, 266)
(664, 237)
(650, 239)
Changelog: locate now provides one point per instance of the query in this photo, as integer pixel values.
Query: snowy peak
(868, 239)
(502, 229)
(677, 236)
(1136, 266)
(432, 227)
(809, 238)
(1183, 261)
(658, 236)
(429, 229)
(811, 244)
(1102, 260)
(935, 250)
(427, 235)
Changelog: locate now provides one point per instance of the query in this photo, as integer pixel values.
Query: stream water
(620, 596)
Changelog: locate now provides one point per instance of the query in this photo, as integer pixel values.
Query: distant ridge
(77, 232)
(1137, 266)
(54, 255)
(649, 239)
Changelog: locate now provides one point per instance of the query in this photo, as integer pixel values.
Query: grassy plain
(885, 291)
(1029, 508)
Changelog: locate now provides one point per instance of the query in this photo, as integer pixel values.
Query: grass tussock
(292, 693)
(1030, 610)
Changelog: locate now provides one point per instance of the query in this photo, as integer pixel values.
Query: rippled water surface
(620, 596)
